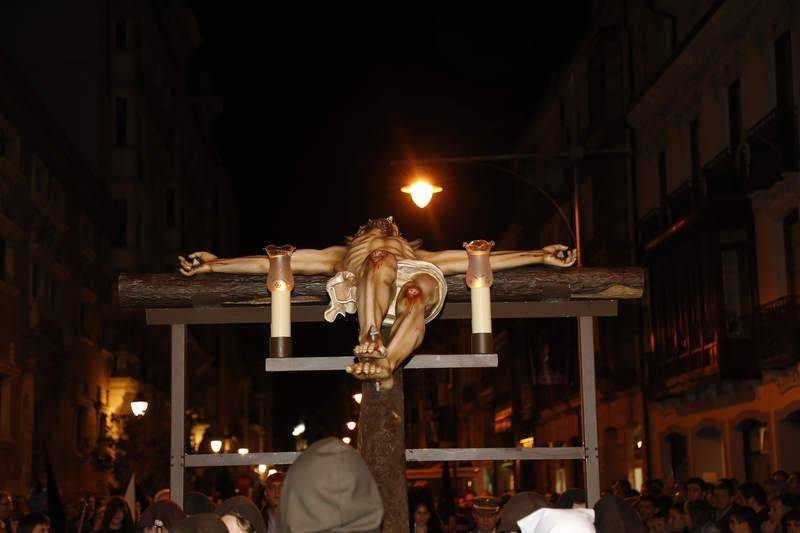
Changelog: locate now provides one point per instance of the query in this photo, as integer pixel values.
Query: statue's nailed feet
(372, 347)
(379, 371)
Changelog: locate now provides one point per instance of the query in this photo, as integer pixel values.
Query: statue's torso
(362, 246)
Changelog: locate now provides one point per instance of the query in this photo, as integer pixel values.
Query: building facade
(716, 135)
(123, 81)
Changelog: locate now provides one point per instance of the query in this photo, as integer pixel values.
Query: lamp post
(139, 405)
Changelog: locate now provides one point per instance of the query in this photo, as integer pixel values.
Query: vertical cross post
(589, 409)
(177, 413)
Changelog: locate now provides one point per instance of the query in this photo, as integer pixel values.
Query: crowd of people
(725, 506)
(330, 488)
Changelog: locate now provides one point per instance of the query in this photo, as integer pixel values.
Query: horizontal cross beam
(524, 284)
(412, 455)
(305, 364)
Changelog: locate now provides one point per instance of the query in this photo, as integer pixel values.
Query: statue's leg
(407, 332)
(375, 293)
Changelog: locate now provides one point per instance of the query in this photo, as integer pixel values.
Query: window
(735, 114)
(120, 235)
(791, 243)
(121, 34)
(756, 446)
(784, 96)
(35, 282)
(662, 177)
(5, 406)
(121, 121)
(736, 289)
(694, 148)
(169, 207)
(81, 415)
(83, 318)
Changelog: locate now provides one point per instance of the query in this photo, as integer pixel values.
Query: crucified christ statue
(387, 280)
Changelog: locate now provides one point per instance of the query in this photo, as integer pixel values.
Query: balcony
(769, 149)
(778, 332)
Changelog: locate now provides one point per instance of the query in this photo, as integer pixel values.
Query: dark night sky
(317, 106)
(317, 103)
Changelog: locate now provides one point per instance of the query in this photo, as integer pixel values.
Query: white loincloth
(342, 290)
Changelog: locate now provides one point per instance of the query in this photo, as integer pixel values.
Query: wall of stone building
(619, 429)
(713, 428)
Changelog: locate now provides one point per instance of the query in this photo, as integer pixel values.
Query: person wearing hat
(270, 509)
(486, 511)
(161, 515)
(330, 488)
(518, 507)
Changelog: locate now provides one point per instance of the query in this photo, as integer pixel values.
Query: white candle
(481, 310)
(281, 325)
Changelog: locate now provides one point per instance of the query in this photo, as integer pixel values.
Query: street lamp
(421, 191)
(139, 406)
(346, 440)
(299, 429)
(216, 445)
(351, 425)
(243, 451)
(357, 397)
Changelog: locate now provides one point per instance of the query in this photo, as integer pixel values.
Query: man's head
(658, 523)
(780, 475)
(753, 496)
(694, 489)
(486, 512)
(791, 522)
(34, 523)
(6, 505)
(385, 226)
(621, 487)
(274, 488)
(240, 514)
(654, 487)
(723, 496)
(677, 518)
(160, 517)
(647, 507)
(518, 507)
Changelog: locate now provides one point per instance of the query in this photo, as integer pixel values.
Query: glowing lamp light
(357, 397)
(243, 451)
(421, 192)
(298, 430)
(216, 446)
(351, 425)
(271, 471)
(138, 407)
(346, 440)
(262, 469)
(639, 444)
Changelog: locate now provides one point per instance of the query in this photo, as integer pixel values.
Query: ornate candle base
(482, 343)
(280, 346)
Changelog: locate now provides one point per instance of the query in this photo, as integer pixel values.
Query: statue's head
(386, 226)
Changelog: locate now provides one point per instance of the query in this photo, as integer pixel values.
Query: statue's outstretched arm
(305, 261)
(456, 261)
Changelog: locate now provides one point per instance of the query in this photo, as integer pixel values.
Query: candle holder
(479, 279)
(280, 282)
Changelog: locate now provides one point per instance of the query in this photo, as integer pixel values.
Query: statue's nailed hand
(196, 263)
(559, 255)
